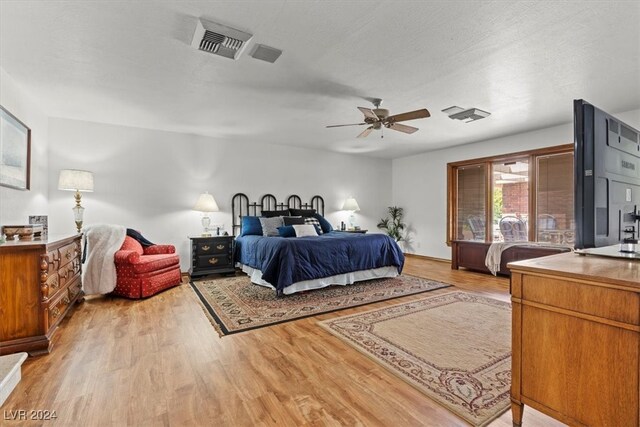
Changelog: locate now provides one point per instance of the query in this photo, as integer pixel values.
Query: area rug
(237, 305)
(454, 347)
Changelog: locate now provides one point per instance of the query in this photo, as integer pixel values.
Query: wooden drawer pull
(55, 312)
(68, 255)
(206, 248)
(220, 247)
(66, 300)
(213, 261)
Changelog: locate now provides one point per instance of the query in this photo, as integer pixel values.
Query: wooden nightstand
(352, 231)
(211, 255)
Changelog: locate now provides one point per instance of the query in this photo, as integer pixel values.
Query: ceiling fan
(379, 118)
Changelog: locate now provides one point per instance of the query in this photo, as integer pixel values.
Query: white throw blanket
(102, 242)
(494, 254)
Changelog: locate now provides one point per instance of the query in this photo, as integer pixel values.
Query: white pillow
(305, 230)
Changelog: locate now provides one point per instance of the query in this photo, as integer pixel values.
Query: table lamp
(76, 180)
(206, 204)
(351, 205)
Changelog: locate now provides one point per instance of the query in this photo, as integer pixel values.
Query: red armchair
(142, 272)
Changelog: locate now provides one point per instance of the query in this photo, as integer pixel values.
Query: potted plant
(393, 224)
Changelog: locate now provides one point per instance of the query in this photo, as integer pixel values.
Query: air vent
(466, 115)
(266, 53)
(219, 39)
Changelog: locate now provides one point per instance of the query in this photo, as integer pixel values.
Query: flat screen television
(606, 178)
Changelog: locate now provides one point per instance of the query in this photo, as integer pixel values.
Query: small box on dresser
(40, 281)
(211, 255)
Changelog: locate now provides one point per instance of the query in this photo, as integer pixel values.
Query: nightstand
(211, 255)
(352, 231)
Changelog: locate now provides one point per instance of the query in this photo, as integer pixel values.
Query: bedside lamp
(76, 180)
(206, 204)
(351, 205)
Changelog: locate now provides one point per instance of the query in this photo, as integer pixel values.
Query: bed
(296, 264)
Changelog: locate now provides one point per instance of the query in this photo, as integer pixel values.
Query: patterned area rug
(238, 305)
(454, 347)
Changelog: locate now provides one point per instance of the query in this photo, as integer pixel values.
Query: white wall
(17, 205)
(420, 181)
(149, 180)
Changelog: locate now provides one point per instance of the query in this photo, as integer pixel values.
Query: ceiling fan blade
(365, 132)
(402, 128)
(339, 126)
(411, 115)
(368, 113)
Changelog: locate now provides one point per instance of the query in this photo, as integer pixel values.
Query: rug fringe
(213, 322)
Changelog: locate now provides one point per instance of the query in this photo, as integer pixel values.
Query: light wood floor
(159, 362)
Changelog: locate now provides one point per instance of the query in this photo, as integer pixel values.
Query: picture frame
(42, 220)
(15, 152)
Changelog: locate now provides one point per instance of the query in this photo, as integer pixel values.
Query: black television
(606, 179)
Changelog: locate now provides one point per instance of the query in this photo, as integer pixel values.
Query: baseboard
(428, 258)
(184, 277)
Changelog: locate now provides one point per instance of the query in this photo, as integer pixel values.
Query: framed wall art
(15, 152)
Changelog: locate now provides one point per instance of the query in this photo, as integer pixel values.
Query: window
(471, 212)
(554, 198)
(521, 196)
(510, 200)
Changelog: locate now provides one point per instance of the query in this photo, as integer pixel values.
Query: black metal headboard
(240, 206)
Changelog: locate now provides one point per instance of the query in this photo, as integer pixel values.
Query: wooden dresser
(576, 339)
(39, 283)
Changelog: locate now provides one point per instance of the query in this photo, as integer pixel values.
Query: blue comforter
(284, 261)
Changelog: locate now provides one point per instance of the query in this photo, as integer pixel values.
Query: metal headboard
(240, 206)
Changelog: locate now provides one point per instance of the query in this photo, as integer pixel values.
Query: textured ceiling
(131, 63)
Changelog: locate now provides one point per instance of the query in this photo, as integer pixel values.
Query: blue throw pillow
(251, 226)
(287, 231)
(324, 224)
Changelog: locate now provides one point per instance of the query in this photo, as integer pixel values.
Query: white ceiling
(131, 63)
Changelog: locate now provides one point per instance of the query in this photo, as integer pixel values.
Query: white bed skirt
(338, 279)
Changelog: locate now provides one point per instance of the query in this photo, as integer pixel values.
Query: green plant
(393, 224)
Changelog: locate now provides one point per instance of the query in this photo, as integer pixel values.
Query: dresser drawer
(212, 261)
(68, 253)
(74, 289)
(218, 246)
(58, 307)
(69, 272)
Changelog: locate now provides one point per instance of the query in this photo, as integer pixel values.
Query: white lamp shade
(350, 205)
(75, 180)
(206, 203)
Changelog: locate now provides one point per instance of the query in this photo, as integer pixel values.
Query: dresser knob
(213, 261)
(206, 248)
(220, 247)
(66, 300)
(55, 312)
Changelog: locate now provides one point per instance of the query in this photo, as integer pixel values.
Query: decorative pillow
(251, 226)
(302, 212)
(326, 225)
(287, 231)
(271, 214)
(270, 226)
(305, 230)
(291, 220)
(315, 223)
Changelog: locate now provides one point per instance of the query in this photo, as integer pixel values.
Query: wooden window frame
(452, 186)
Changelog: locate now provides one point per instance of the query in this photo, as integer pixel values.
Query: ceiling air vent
(219, 39)
(266, 53)
(466, 115)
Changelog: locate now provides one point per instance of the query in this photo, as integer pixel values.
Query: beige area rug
(237, 305)
(454, 347)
